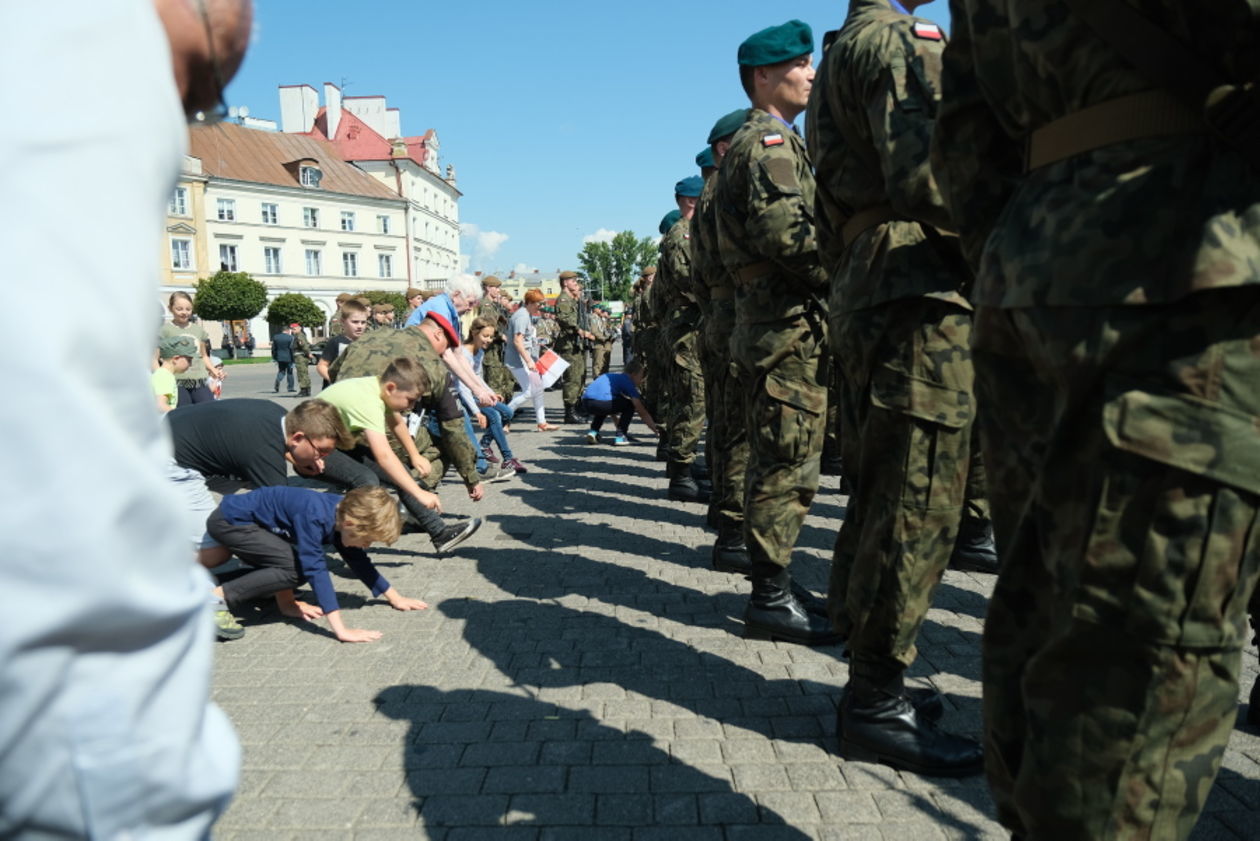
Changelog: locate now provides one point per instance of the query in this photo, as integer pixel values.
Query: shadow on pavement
(479, 758)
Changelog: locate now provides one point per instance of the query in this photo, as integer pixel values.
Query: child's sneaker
(592, 437)
(620, 441)
(490, 456)
(226, 627)
(515, 465)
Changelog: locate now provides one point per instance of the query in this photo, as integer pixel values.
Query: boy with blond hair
(176, 355)
(280, 533)
(352, 317)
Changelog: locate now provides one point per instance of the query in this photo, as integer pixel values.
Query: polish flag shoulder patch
(928, 31)
(772, 140)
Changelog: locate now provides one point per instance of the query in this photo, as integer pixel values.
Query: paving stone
(589, 680)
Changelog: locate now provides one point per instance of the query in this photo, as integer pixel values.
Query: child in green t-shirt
(176, 356)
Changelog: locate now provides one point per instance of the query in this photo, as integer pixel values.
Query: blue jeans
(497, 415)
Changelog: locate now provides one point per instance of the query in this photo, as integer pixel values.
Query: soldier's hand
(476, 492)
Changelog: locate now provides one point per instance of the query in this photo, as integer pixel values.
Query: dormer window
(310, 176)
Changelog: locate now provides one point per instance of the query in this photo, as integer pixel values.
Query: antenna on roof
(345, 83)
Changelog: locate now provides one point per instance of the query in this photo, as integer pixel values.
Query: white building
(368, 133)
(287, 210)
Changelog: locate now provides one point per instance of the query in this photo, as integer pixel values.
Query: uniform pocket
(922, 399)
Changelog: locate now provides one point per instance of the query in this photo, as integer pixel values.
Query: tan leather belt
(866, 219)
(748, 273)
(721, 293)
(1138, 116)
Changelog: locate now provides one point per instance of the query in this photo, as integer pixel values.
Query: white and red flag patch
(772, 140)
(930, 31)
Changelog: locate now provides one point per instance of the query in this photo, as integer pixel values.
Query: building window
(382, 222)
(270, 213)
(311, 176)
(313, 266)
(347, 220)
(227, 258)
(350, 263)
(310, 217)
(179, 202)
(386, 263)
(181, 254)
(271, 257)
(227, 210)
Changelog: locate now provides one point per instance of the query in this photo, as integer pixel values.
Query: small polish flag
(772, 140)
(930, 31)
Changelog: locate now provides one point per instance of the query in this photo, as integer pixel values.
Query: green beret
(670, 220)
(490, 280)
(690, 187)
(727, 125)
(777, 44)
(704, 160)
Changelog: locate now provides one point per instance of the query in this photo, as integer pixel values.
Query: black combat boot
(700, 471)
(569, 415)
(877, 722)
(832, 464)
(774, 613)
(975, 551)
(682, 488)
(306, 392)
(730, 553)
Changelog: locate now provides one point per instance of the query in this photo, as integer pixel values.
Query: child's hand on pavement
(358, 635)
(405, 603)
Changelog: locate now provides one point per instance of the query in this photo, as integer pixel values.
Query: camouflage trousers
(497, 376)
(302, 363)
(601, 358)
(782, 380)
(656, 387)
(1122, 449)
(907, 409)
(686, 407)
(726, 448)
(574, 377)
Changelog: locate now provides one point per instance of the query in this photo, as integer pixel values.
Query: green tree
(398, 299)
(229, 296)
(613, 266)
(291, 307)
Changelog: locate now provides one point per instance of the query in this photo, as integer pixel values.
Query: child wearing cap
(176, 356)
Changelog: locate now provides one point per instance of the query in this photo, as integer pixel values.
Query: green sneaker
(226, 626)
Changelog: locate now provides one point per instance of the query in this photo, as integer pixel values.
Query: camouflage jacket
(673, 282)
(568, 317)
(871, 112)
(494, 313)
(765, 209)
(1143, 221)
(371, 355)
(301, 345)
(706, 267)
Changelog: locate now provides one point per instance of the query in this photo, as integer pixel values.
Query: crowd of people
(971, 294)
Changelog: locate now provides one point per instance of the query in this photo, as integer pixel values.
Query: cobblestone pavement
(581, 674)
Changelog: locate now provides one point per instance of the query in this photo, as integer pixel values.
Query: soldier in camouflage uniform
(302, 359)
(727, 443)
(645, 338)
(765, 200)
(686, 382)
(601, 348)
(901, 335)
(422, 343)
(491, 308)
(1117, 321)
(657, 359)
(570, 342)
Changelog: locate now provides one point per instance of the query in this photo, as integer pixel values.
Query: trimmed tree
(611, 266)
(229, 296)
(294, 307)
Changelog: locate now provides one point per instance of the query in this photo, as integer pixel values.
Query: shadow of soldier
(520, 762)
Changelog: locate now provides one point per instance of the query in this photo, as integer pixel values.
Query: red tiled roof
(228, 150)
(357, 141)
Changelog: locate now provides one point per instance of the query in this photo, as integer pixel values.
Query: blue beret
(776, 44)
(690, 187)
(670, 220)
(728, 125)
(704, 160)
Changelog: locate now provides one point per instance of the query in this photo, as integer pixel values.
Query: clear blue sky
(561, 118)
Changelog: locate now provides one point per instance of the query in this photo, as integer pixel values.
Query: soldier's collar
(897, 7)
(790, 127)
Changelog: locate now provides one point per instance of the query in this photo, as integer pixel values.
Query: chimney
(332, 102)
(298, 105)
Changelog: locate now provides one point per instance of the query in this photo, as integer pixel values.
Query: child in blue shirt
(616, 394)
(281, 532)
